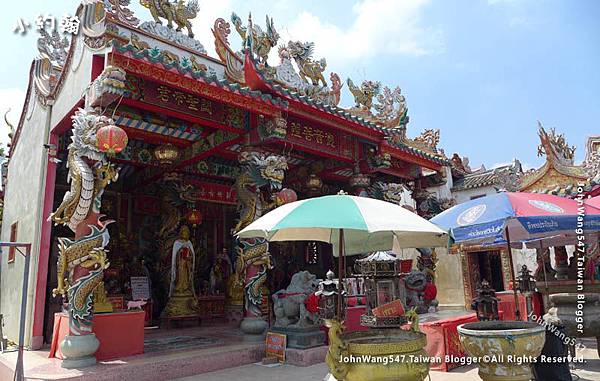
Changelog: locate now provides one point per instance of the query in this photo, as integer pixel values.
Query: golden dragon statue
(363, 95)
(302, 53)
(82, 260)
(337, 349)
(260, 171)
(262, 41)
(179, 12)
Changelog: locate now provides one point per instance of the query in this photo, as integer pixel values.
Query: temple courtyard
(217, 353)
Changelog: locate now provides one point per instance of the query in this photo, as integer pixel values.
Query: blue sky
(482, 71)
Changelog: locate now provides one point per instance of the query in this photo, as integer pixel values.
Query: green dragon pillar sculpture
(261, 173)
(82, 260)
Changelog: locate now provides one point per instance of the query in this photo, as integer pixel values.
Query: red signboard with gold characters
(174, 99)
(317, 137)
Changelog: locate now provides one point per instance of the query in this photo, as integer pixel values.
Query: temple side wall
(449, 280)
(25, 191)
(23, 204)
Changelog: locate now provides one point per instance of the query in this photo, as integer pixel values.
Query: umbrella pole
(512, 275)
(340, 274)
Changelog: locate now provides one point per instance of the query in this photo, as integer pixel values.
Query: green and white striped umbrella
(367, 224)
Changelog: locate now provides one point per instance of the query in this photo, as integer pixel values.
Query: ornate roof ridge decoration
(53, 47)
(391, 111)
(173, 36)
(559, 157)
(405, 145)
(258, 42)
(187, 66)
(234, 63)
(308, 81)
(118, 9)
(505, 177)
(305, 99)
(178, 12)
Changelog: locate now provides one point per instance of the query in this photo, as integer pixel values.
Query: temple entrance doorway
(490, 268)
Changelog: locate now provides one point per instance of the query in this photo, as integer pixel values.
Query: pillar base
(254, 328)
(79, 351)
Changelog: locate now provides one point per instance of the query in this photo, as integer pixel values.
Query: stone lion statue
(289, 304)
(415, 284)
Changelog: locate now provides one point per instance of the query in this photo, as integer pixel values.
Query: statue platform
(167, 354)
(301, 338)
(120, 334)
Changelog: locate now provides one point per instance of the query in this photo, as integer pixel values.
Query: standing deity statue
(182, 295)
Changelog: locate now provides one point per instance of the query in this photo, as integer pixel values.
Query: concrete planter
(505, 349)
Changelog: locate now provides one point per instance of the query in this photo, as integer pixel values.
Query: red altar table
(121, 334)
(506, 303)
(442, 340)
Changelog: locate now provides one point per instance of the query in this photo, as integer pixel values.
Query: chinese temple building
(559, 175)
(138, 156)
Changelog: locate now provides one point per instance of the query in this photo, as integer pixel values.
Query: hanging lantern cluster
(111, 139)
(166, 154)
(194, 217)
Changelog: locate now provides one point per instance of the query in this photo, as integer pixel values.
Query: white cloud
(12, 99)
(379, 27)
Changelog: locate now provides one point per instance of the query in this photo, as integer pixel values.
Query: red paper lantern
(286, 196)
(194, 217)
(111, 139)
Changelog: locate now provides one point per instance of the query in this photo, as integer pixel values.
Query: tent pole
(512, 275)
(340, 274)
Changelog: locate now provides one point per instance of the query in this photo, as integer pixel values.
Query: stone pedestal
(234, 313)
(254, 328)
(302, 338)
(78, 351)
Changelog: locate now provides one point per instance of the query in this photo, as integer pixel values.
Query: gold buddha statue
(182, 294)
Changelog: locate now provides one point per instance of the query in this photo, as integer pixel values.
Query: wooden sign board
(275, 346)
(140, 290)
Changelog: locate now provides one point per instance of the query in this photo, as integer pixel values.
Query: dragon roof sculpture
(559, 169)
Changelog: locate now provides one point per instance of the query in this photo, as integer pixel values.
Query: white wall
(25, 185)
(25, 191)
(466, 194)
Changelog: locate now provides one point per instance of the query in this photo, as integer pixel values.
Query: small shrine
(384, 288)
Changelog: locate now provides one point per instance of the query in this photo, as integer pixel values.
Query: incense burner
(393, 354)
(504, 349)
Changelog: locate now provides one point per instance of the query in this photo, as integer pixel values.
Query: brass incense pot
(504, 350)
(394, 354)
